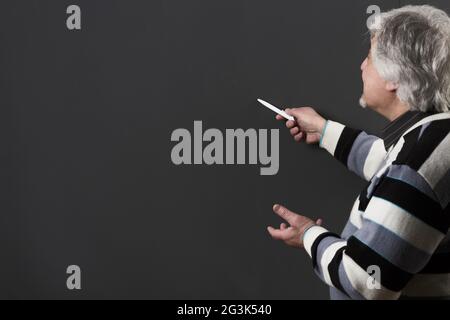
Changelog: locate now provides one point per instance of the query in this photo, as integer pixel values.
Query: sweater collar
(393, 131)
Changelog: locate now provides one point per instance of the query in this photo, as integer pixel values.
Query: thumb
(290, 112)
(295, 112)
(319, 222)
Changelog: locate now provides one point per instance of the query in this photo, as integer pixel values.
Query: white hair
(412, 49)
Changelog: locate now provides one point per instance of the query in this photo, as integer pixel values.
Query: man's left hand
(293, 234)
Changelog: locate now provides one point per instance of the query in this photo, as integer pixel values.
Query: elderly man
(396, 242)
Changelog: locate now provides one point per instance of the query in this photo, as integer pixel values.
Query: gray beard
(362, 102)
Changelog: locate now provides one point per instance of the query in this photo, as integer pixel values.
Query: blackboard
(86, 122)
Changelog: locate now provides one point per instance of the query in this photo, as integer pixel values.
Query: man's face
(377, 93)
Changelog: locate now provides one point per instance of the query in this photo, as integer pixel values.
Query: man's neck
(394, 110)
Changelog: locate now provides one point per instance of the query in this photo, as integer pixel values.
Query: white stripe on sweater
(355, 215)
(401, 222)
(327, 256)
(310, 236)
(438, 163)
(375, 156)
(359, 280)
(438, 116)
(331, 136)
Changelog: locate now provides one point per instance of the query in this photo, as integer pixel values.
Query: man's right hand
(308, 124)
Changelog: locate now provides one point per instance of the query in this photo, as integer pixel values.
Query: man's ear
(391, 86)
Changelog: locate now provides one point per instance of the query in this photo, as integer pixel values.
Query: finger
(298, 137)
(290, 124)
(283, 226)
(310, 139)
(284, 213)
(278, 117)
(278, 234)
(294, 130)
(319, 222)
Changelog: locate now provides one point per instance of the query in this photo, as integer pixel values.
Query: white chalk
(275, 109)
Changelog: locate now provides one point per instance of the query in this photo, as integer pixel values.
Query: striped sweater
(396, 243)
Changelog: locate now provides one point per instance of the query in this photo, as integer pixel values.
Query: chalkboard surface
(87, 118)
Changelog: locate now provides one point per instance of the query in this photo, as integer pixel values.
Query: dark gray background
(86, 118)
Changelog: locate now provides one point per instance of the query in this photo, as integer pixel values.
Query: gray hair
(413, 50)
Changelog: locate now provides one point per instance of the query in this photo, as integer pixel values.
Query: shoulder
(426, 150)
(425, 140)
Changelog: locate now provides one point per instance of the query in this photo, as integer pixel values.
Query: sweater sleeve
(360, 152)
(402, 225)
